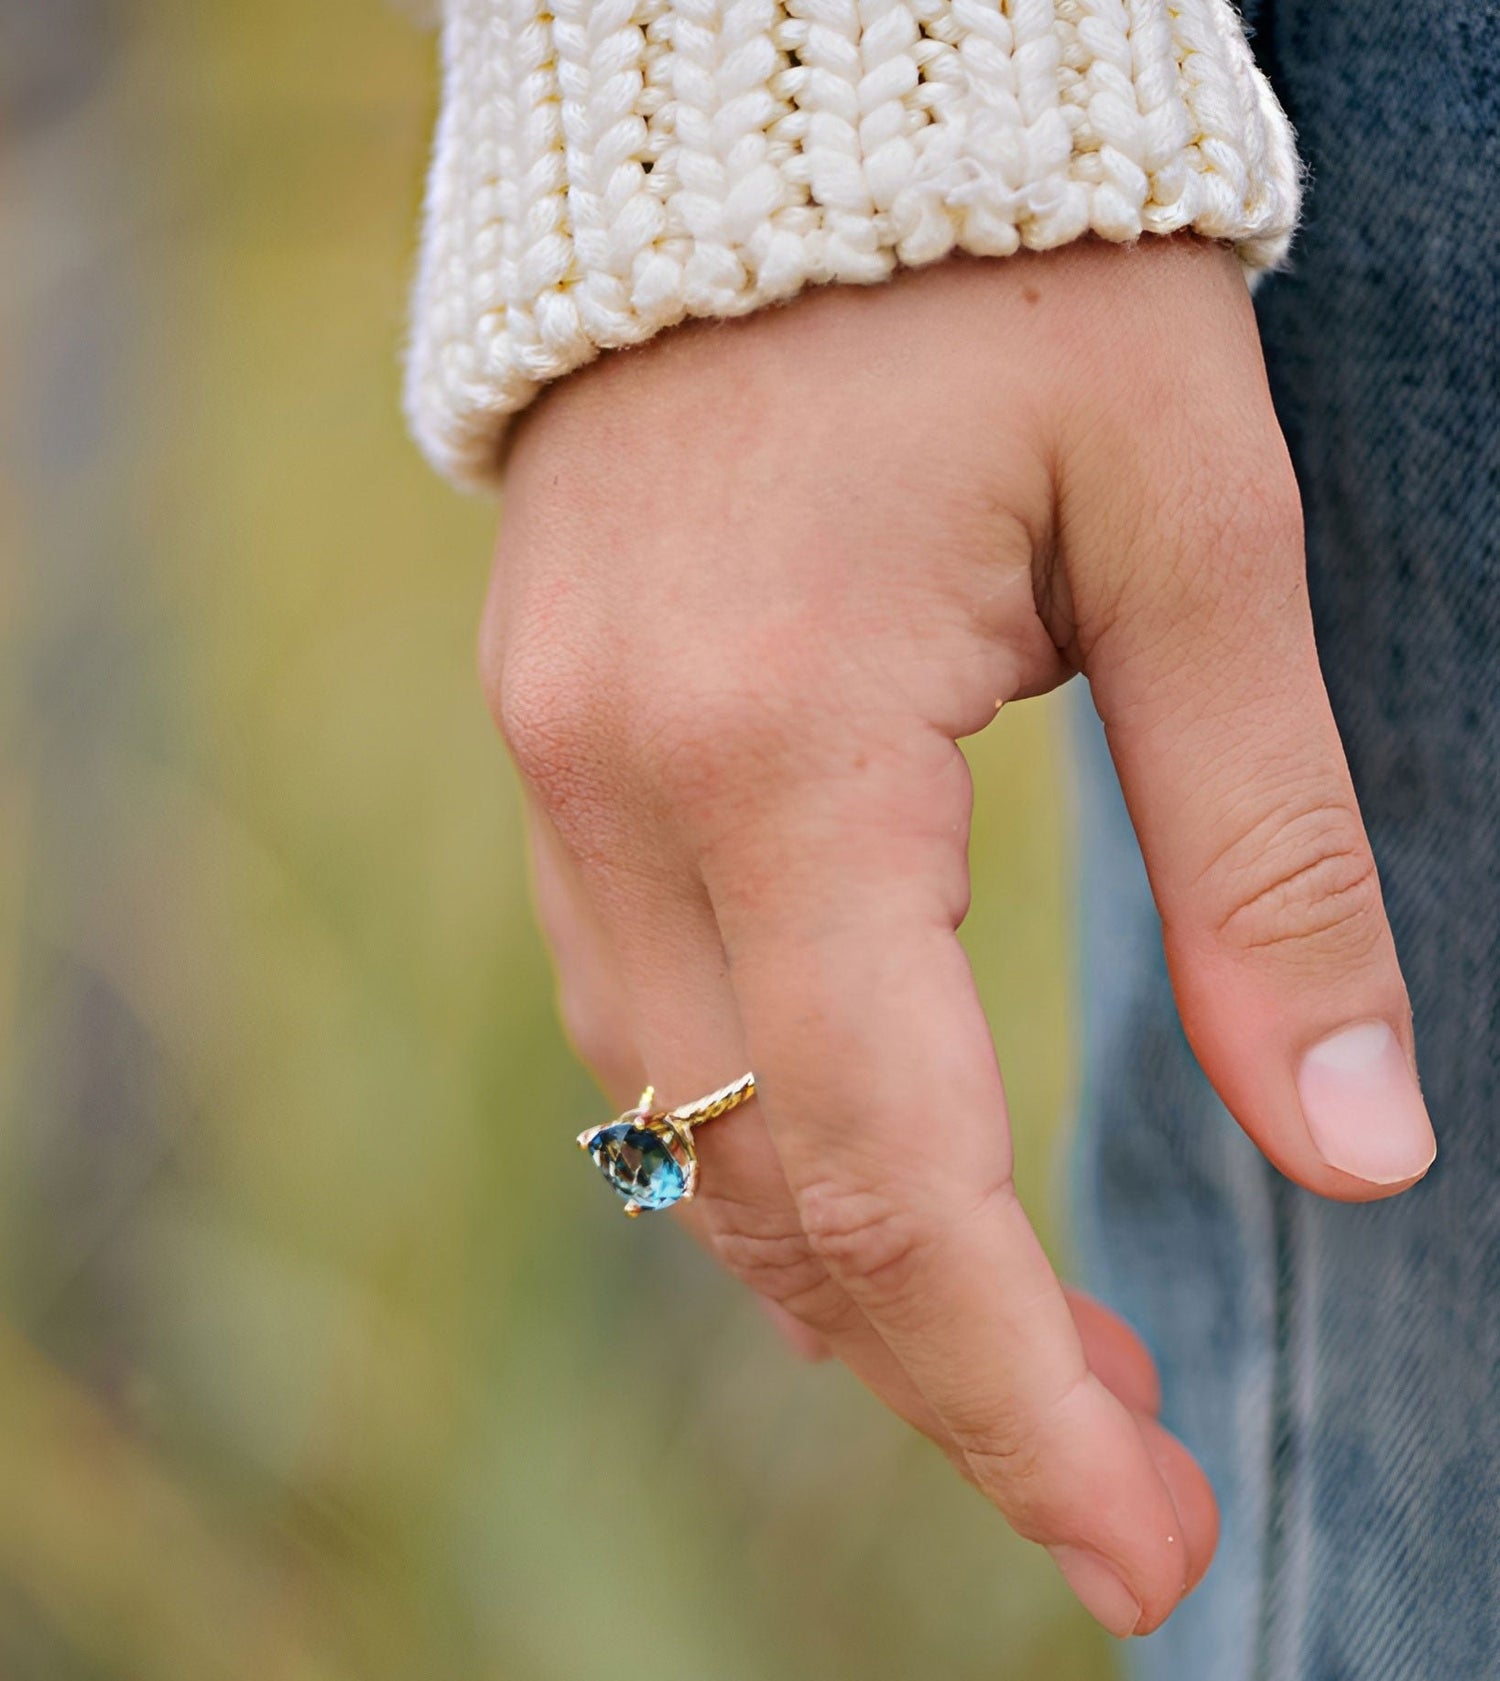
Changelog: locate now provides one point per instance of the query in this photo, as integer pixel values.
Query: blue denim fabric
(1338, 1368)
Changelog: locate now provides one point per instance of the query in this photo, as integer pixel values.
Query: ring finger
(680, 1007)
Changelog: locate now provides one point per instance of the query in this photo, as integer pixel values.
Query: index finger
(880, 1088)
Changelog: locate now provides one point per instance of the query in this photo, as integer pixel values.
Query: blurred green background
(322, 1355)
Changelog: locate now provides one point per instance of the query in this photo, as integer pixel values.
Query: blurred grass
(321, 1357)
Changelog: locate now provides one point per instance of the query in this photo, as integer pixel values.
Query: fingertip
(1101, 1589)
(1343, 1116)
(1127, 1505)
(1364, 1109)
(1192, 1495)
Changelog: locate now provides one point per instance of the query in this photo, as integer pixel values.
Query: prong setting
(647, 1155)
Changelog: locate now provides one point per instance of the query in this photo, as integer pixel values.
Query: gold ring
(647, 1153)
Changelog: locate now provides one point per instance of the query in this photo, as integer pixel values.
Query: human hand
(755, 580)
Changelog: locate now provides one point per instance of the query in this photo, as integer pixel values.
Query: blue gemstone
(638, 1164)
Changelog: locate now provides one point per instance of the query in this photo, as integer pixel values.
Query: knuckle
(1009, 1468)
(769, 1253)
(683, 744)
(1013, 1460)
(1301, 879)
(539, 715)
(560, 735)
(876, 1247)
(774, 1263)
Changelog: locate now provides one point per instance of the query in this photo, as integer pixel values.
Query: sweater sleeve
(604, 169)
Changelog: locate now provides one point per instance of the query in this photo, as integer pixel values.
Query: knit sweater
(604, 169)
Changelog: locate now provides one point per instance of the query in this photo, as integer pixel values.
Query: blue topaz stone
(650, 1165)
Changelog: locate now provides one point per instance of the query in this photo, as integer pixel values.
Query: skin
(755, 580)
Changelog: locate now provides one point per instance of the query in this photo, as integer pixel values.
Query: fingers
(747, 1213)
(880, 1090)
(591, 998)
(1204, 670)
(1115, 1355)
(661, 971)
(1191, 1495)
(645, 996)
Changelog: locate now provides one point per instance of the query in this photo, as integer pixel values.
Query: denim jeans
(1337, 1368)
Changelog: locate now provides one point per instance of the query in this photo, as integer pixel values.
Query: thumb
(1281, 957)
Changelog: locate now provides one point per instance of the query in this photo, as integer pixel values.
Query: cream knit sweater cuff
(606, 168)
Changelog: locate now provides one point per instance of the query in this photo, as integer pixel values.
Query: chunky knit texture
(606, 168)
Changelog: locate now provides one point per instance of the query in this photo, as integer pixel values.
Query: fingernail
(1363, 1108)
(1101, 1588)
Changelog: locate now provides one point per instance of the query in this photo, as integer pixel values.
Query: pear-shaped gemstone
(637, 1162)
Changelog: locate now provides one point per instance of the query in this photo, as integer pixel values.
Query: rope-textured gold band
(717, 1103)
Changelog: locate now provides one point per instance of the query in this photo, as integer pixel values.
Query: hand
(755, 581)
